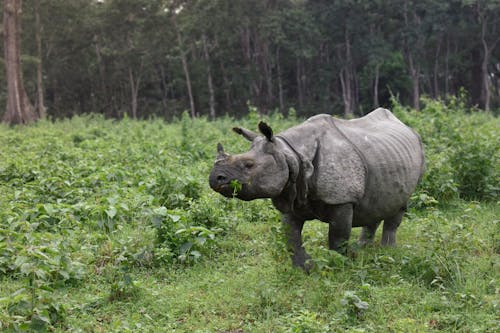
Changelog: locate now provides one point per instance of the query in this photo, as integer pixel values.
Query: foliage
(462, 150)
(111, 226)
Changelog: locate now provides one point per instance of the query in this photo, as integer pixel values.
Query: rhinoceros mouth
(228, 190)
(224, 189)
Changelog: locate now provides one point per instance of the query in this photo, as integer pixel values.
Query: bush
(461, 148)
(475, 162)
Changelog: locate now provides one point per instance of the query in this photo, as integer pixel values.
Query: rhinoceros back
(393, 155)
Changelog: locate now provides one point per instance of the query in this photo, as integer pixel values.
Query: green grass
(111, 227)
(416, 287)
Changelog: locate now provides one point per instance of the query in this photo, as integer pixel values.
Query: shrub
(475, 162)
(461, 148)
(178, 239)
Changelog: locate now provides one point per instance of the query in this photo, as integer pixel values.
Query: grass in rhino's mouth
(235, 186)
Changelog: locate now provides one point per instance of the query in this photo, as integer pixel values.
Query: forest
(158, 58)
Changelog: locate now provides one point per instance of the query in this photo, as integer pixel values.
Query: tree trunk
(485, 95)
(376, 80)
(102, 72)
(253, 88)
(280, 83)
(164, 89)
(345, 83)
(300, 89)
(209, 79)
(19, 109)
(446, 66)
(414, 70)
(39, 71)
(185, 66)
(134, 91)
(415, 76)
(267, 69)
(227, 87)
(435, 78)
(346, 78)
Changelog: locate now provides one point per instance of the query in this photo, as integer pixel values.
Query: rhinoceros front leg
(293, 229)
(340, 225)
(391, 225)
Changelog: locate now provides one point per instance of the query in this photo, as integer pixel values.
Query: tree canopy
(145, 58)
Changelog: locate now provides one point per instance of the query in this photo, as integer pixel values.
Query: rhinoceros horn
(247, 134)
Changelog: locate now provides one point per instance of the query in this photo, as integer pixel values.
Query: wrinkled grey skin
(347, 173)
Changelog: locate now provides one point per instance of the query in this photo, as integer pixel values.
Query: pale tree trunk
(39, 72)
(376, 80)
(415, 80)
(19, 109)
(300, 88)
(280, 83)
(164, 88)
(347, 79)
(436, 71)
(102, 72)
(267, 69)
(227, 87)
(345, 83)
(413, 68)
(253, 88)
(485, 96)
(446, 66)
(485, 82)
(134, 90)
(185, 66)
(209, 78)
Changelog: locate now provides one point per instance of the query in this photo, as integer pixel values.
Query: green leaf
(185, 247)
(111, 212)
(26, 268)
(174, 218)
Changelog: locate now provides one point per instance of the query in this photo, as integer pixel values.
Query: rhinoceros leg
(391, 225)
(340, 221)
(368, 234)
(293, 229)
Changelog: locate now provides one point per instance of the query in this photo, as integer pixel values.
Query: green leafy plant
(306, 321)
(354, 307)
(236, 186)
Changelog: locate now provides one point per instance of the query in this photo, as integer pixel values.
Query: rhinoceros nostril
(221, 178)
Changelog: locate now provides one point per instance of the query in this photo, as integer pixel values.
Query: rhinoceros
(347, 173)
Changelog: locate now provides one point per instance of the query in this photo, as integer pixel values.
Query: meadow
(110, 226)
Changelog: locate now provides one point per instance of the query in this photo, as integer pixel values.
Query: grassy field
(110, 226)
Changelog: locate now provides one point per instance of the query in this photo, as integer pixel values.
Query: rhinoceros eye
(248, 164)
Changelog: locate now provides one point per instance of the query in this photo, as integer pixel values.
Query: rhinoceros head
(262, 172)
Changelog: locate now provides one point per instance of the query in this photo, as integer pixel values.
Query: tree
(488, 16)
(39, 67)
(175, 9)
(19, 108)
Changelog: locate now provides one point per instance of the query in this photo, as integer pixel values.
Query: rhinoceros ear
(266, 130)
(220, 153)
(247, 134)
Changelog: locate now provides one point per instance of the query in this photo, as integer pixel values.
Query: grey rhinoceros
(347, 173)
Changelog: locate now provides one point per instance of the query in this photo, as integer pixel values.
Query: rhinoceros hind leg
(368, 234)
(391, 225)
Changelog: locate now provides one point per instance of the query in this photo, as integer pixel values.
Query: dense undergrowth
(110, 226)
